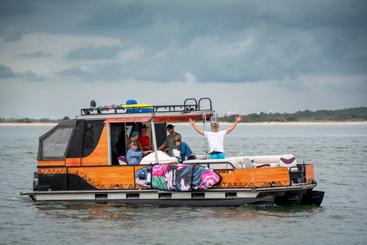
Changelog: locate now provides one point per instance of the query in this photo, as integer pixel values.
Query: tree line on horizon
(350, 114)
(31, 120)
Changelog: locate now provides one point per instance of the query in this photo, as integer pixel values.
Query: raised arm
(238, 119)
(200, 131)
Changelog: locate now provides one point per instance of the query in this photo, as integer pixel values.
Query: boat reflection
(128, 213)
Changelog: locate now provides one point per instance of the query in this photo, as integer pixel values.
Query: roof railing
(190, 105)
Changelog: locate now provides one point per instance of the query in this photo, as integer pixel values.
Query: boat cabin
(100, 135)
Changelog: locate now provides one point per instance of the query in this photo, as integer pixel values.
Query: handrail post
(154, 138)
(204, 127)
(186, 105)
(208, 99)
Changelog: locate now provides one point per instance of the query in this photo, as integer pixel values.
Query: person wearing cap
(144, 139)
(169, 144)
(133, 155)
(185, 151)
(215, 138)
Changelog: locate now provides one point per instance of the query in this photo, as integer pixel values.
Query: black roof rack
(189, 105)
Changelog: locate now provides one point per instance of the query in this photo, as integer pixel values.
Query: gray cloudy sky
(249, 56)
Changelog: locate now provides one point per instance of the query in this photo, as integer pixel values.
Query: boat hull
(224, 197)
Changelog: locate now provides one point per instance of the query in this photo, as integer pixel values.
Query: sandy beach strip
(285, 123)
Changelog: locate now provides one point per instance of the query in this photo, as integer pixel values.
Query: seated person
(185, 151)
(133, 155)
(168, 145)
(134, 138)
(144, 139)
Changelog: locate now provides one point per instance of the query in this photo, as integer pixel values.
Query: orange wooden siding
(51, 163)
(111, 177)
(100, 154)
(73, 161)
(253, 177)
(309, 173)
(52, 171)
(123, 177)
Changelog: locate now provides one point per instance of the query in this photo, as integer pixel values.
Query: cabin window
(54, 145)
(92, 133)
(75, 149)
(160, 132)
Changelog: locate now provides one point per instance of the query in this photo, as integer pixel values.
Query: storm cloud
(91, 53)
(8, 73)
(294, 45)
(36, 54)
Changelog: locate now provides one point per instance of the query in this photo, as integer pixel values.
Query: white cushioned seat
(162, 158)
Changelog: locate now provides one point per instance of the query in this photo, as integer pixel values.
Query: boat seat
(122, 160)
(240, 162)
(266, 165)
(200, 156)
(266, 161)
(285, 160)
(162, 158)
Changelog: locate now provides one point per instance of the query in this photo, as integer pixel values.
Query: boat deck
(211, 197)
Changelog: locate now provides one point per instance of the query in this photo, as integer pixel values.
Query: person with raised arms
(215, 138)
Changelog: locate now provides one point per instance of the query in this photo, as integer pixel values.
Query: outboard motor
(297, 173)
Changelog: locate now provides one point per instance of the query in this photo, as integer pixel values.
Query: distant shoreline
(225, 123)
(292, 123)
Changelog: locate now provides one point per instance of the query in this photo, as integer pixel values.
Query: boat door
(117, 142)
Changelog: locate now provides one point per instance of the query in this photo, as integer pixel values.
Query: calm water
(338, 151)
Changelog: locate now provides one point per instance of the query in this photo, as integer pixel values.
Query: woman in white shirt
(215, 138)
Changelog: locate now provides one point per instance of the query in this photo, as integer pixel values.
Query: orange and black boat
(79, 160)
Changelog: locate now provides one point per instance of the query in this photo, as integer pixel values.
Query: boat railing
(217, 163)
(209, 162)
(189, 105)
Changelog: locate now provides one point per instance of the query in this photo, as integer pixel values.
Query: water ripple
(338, 151)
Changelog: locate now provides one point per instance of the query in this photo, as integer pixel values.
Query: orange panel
(73, 161)
(309, 173)
(100, 154)
(253, 177)
(52, 170)
(51, 163)
(111, 177)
